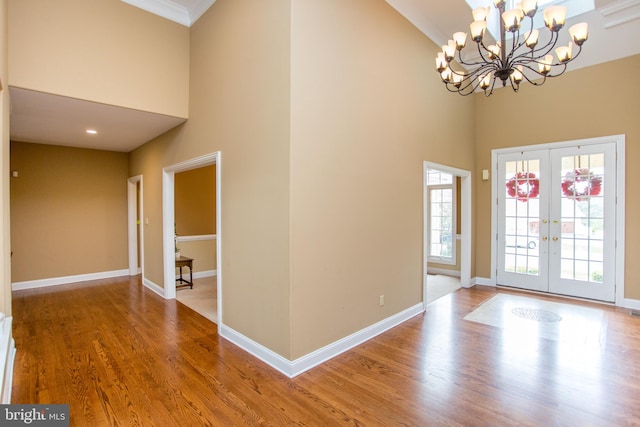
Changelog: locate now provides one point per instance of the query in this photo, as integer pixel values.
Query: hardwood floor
(121, 355)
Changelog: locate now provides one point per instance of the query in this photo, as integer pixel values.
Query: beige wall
(195, 201)
(239, 105)
(586, 103)
(203, 253)
(367, 110)
(5, 223)
(100, 50)
(68, 210)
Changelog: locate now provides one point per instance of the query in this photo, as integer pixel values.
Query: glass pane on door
(522, 217)
(582, 215)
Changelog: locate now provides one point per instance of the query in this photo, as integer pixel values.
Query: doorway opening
(134, 221)
(447, 230)
(172, 242)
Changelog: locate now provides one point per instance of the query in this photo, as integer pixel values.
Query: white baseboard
(152, 286)
(482, 281)
(443, 271)
(304, 363)
(200, 274)
(208, 273)
(54, 281)
(633, 304)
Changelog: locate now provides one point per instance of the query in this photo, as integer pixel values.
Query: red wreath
(580, 184)
(524, 186)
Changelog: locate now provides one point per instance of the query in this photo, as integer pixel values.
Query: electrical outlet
(381, 300)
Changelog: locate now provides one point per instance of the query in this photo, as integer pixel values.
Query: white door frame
(465, 224)
(168, 223)
(134, 200)
(619, 140)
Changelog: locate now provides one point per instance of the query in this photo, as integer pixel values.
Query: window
(441, 203)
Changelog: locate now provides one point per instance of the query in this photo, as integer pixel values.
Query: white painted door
(556, 220)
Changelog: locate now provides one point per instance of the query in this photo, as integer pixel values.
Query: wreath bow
(523, 186)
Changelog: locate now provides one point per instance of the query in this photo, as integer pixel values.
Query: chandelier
(509, 62)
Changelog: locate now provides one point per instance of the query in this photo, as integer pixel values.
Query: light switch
(485, 174)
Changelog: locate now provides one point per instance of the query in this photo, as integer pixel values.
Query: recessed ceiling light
(92, 131)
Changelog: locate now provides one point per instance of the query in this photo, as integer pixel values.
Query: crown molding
(172, 10)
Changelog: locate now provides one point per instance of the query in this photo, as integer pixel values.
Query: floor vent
(635, 313)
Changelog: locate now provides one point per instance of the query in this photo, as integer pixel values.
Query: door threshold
(549, 294)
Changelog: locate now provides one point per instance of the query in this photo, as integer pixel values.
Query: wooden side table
(184, 261)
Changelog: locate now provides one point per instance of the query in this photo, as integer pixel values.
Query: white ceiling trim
(620, 12)
(184, 12)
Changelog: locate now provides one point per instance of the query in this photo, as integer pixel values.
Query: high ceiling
(614, 31)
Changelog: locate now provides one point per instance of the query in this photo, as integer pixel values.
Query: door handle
(555, 239)
(545, 238)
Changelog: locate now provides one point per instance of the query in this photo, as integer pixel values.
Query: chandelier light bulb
(579, 33)
(477, 30)
(511, 19)
(531, 38)
(554, 17)
(460, 38)
(494, 51)
(449, 50)
(446, 75)
(517, 76)
(544, 66)
(441, 62)
(457, 79)
(485, 81)
(481, 13)
(529, 7)
(564, 53)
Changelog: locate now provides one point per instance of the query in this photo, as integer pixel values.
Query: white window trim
(454, 231)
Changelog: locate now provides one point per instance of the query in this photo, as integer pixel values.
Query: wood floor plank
(121, 355)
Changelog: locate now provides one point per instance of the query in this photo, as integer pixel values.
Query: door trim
(168, 223)
(619, 141)
(134, 201)
(465, 224)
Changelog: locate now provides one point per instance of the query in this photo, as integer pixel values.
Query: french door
(556, 220)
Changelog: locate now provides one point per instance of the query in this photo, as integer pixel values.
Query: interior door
(556, 221)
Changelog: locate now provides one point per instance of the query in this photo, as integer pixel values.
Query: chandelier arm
(524, 37)
(538, 53)
(536, 72)
(462, 62)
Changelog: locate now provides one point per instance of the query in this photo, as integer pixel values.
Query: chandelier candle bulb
(494, 51)
(529, 7)
(457, 79)
(441, 62)
(449, 50)
(481, 13)
(517, 76)
(564, 53)
(579, 33)
(477, 30)
(460, 38)
(511, 20)
(485, 81)
(446, 75)
(554, 17)
(531, 38)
